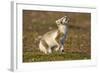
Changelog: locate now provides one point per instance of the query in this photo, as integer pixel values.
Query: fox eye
(61, 22)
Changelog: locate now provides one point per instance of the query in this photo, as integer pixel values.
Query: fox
(55, 39)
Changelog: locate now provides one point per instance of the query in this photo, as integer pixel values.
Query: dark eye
(61, 22)
(65, 19)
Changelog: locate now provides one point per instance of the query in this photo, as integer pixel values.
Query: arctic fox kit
(54, 39)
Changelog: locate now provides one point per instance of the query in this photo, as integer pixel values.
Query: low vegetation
(78, 42)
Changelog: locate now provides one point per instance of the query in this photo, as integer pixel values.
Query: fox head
(62, 21)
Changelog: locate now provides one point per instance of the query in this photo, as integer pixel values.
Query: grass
(78, 42)
(28, 57)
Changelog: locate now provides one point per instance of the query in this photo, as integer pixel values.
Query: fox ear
(66, 20)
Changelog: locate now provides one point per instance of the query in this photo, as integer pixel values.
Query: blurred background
(37, 23)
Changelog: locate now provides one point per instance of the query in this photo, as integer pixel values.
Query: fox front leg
(62, 41)
(62, 48)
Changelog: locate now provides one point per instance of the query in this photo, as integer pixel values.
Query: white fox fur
(49, 39)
